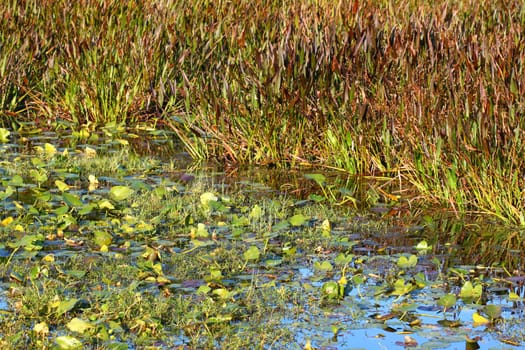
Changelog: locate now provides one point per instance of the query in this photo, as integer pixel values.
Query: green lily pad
(120, 193)
(38, 175)
(323, 266)
(78, 325)
(66, 305)
(402, 287)
(61, 185)
(102, 238)
(331, 290)
(405, 263)
(320, 179)
(282, 225)
(17, 181)
(252, 253)
(273, 262)
(67, 342)
(297, 220)
(423, 246)
(117, 346)
(4, 135)
(256, 212)
(469, 291)
(105, 204)
(200, 231)
(342, 259)
(447, 301)
(29, 242)
(316, 198)
(492, 311)
(207, 198)
(72, 200)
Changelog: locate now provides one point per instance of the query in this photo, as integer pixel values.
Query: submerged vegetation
(434, 94)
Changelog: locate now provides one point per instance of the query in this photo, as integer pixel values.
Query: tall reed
(433, 91)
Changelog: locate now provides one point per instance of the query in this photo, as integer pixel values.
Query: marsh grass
(433, 92)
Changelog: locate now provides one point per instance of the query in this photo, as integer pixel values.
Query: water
(370, 315)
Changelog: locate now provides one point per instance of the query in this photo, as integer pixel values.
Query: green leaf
(200, 232)
(102, 238)
(318, 178)
(4, 135)
(41, 328)
(66, 305)
(256, 212)
(17, 181)
(66, 342)
(105, 204)
(289, 250)
(492, 311)
(239, 221)
(45, 196)
(478, 319)
(324, 266)
(61, 185)
(297, 220)
(405, 263)
(468, 291)
(86, 209)
(283, 225)
(316, 198)
(207, 198)
(120, 193)
(78, 325)
(29, 242)
(50, 149)
(117, 346)
(447, 301)
(219, 319)
(61, 210)
(273, 262)
(200, 243)
(343, 259)
(72, 200)
(204, 289)
(38, 175)
(75, 273)
(401, 287)
(223, 293)
(215, 274)
(420, 280)
(7, 193)
(252, 253)
(38, 163)
(423, 246)
(331, 290)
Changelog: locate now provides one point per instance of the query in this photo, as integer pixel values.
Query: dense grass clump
(435, 92)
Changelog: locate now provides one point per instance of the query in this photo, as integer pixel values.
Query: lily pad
(78, 325)
(4, 135)
(66, 342)
(405, 263)
(320, 179)
(120, 193)
(252, 253)
(447, 301)
(72, 200)
(297, 220)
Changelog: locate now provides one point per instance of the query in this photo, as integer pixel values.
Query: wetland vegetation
(386, 205)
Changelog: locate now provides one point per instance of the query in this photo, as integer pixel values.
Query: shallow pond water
(403, 276)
